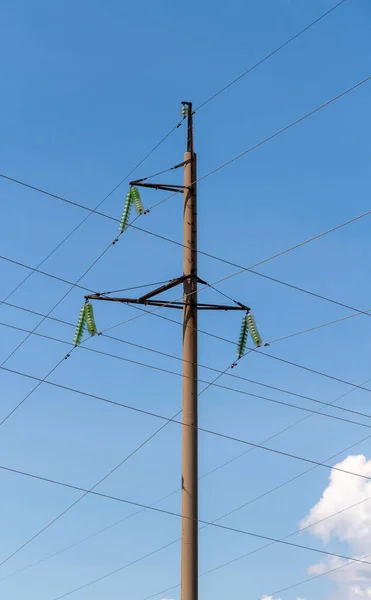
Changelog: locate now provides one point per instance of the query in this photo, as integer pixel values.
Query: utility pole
(189, 540)
(190, 307)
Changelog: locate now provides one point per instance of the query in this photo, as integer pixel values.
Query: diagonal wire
(201, 429)
(73, 285)
(251, 149)
(223, 387)
(294, 585)
(201, 521)
(201, 365)
(261, 353)
(107, 475)
(207, 474)
(268, 56)
(175, 491)
(92, 211)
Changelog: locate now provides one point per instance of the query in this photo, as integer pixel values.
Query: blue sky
(87, 89)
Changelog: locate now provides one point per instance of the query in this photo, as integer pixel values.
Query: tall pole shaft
(189, 540)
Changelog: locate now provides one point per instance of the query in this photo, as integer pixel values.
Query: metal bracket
(147, 300)
(179, 189)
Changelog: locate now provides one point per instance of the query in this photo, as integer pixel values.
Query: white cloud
(271, 598)
(352, 526)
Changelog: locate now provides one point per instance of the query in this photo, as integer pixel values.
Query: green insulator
(255, 335)
(79, 332)
(184, 110)
(90, 321)
(137, 201)
(242, 342)
(126, 212)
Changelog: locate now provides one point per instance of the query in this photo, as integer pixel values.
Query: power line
(90, 211)
(201, 429)
(225, 340)
(40, 322)
(268, 56)
(73, 285)
(36, 270)
(70, 506)
(272, 490)
(214, 257)
(258, 352)
(287, 127)
(261, 353)
(168, 355)
(223, 387)
(242, 269)
(128, 457)
(252, 148)
(259, 549)
(206, 475)
(280, 486)
(165, 546)
(200, 521)
(291, 587)
(280, 339)
(135, 287)
(315, 328)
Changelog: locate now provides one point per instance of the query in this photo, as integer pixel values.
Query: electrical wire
(168, 355)
(158, 173)
(101, 480)
(252, 148)
(223, 387)
(315, 328)
(269, 438)
(36, 270)
(260, 353)
(204, 366)
(359, 311)
(14, 409)
(286, 128)
(136, 287)
(270, 342)
(272, 490)
(352, 309)
(268, 56)
(212, 471)
(242, 269)
(260, 548)
(90, 211)
(291, 587)
(165, 546)
(175, 514)
(137, 449)
(73, 285)
(280, 486)
(203, 476)
(201, 429)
